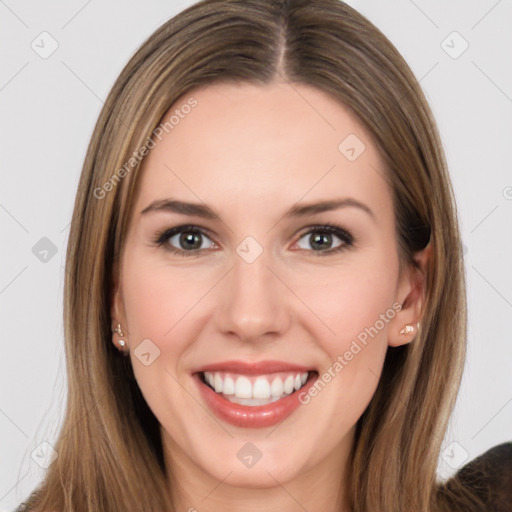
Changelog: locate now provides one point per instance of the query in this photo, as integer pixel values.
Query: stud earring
(118, 330)
(408, 329)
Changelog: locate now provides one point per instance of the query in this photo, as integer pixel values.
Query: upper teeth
(263, 386)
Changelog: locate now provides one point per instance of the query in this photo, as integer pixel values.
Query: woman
(217, 360)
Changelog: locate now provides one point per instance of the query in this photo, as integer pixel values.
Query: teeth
(255, 390)
(217, 383)
(277, 387)
(288, 385)
(261, 388)
(229, 386)
(252, 401)
(243, 387)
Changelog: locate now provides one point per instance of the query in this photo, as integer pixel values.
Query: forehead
(261, 144)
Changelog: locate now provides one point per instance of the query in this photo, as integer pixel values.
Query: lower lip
(245, 416)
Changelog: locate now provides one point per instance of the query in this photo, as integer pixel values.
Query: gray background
(49, 107)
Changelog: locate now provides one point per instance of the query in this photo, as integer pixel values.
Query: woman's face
(251, 288)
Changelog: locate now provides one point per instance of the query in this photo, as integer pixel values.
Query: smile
(253, 395)
(254, 391)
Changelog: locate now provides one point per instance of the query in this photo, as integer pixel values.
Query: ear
(411, 295)
(117, 314)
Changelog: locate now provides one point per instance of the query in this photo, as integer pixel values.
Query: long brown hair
(109, 448)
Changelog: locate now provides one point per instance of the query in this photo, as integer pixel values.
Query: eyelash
(348, 240)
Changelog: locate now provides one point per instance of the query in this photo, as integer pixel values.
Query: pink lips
(246, 416)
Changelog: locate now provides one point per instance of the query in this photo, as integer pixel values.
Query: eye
(190, 240)
(321, 239)
(184, 240)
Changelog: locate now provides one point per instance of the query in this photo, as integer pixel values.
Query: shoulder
(489, 476)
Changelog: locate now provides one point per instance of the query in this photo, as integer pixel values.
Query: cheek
(157, 298)
(353, 308)
(158, 304)
(165, 305)
(348, 300)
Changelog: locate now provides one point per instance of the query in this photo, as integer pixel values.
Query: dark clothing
(489, 476)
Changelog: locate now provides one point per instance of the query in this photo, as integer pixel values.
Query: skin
(250, 153)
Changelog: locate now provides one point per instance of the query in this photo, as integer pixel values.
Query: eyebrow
(201, 210)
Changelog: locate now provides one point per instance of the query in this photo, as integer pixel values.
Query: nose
(254, 301)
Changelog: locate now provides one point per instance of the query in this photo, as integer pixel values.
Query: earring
(408, 329)
(118, 330)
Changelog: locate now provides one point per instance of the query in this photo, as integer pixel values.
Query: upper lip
(253, 368)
